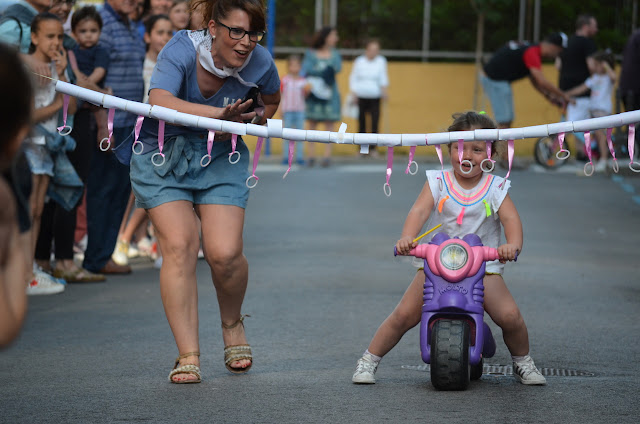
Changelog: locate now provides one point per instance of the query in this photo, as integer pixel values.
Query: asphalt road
(322, 278)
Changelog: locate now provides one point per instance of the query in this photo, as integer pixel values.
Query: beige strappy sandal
(235, 353)
(186, 369)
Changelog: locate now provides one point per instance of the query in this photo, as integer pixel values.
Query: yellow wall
(423, 96)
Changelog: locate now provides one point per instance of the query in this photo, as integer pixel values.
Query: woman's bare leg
(222, 244)
(177, 233)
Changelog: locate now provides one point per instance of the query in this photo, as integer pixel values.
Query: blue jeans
(108, 189)
(501, 98)
(293, 120)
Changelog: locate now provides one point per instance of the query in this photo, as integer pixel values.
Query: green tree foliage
(398, 23)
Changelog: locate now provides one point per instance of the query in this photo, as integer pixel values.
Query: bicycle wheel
(545, 151)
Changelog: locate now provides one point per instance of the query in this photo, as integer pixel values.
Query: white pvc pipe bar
(274, 126)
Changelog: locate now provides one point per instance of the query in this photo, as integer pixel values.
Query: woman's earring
(213, 37)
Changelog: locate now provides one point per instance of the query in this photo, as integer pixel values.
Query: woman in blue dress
(211, 73)
(320, 65)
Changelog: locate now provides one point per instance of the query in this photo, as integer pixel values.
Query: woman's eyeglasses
(239, 33)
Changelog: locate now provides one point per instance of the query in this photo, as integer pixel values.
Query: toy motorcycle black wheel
(450, 355)
(476, 370)
(545, 151)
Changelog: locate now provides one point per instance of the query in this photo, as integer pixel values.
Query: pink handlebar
(420, 251)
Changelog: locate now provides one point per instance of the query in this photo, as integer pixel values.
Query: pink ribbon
(136, 132)
(510, 151)
(234, 142)
(412, 152)
(488, 159)
(460, 150)
(292, 145)
(439, 152)
(631, 146)
(387, 186)
(65, 109)
(256, 159)
(616, 167)
(110, 117)
(587, 145)
(206, 159)
(160, 145)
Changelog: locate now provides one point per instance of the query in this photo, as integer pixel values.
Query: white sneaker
(600, 166)
(43, 284)
(365, 370)
(119, 255)
(133, 251)
(144, 246)
(527, 373)
(157, 264)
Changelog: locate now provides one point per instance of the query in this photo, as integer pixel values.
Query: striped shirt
(126, 52)
(292, 94)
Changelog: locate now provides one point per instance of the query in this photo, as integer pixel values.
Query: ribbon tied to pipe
(256, 159)
(110, 117)
(562, 153)
(136, 132)
(616, 167)
(460, 161)
(410, 169)
(292, 146)
(64, 129)
(439, 152)
(234, 153)
(587, 145)
(631, 146)
(387, 187)
(491, 162)
(510, 151)
(159, 154)
(206, 159)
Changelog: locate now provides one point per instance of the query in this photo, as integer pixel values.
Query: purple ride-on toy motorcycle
(453, 336)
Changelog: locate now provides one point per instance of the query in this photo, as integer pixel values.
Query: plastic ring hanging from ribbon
(491, 162)
(256, 159)
(387, 187)
(65, 129)
(510, 152)
(616, 167)
(410, 170)
(587, 145)
(439, 152)
(466, 161)
(631, 147)
(234, 153)
(136, 142)
(206, 159)
(160, 146)
(562, 153)
(110, 117)
(292, 145)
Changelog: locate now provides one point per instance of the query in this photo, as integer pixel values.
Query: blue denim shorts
(39, 158)
(501, 98)
(182, 177)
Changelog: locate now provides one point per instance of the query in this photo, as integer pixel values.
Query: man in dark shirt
(515, 61)
(630, 78)
(576, 65)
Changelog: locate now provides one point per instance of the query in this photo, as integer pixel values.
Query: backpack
(22, 15)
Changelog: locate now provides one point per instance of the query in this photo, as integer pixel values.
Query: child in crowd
(15, 118)
(457, 194)
(601, 84)
(179, 15)
(294, 90)
(91, 60)
(158, 32)
(46, 48)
